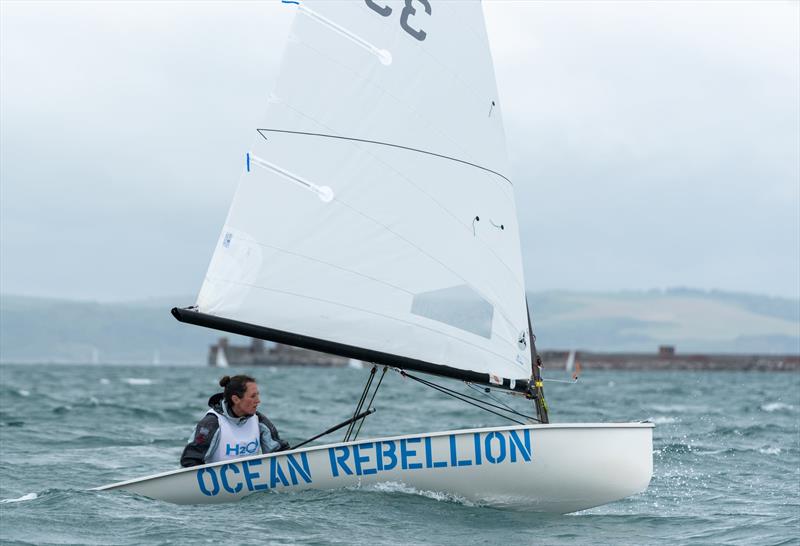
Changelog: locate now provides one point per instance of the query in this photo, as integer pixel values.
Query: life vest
(236, 440)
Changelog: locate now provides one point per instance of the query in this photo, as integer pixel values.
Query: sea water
(726, 459)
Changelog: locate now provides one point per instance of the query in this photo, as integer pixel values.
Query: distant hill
(692, 320)
(49, 330)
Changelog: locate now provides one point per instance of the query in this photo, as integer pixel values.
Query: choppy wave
(12, 423)
(715, 443)
(777, 406)
(678, 408)
(397, 487)
(747, 429)
(23, 498)
(662, 420)
(136, 381)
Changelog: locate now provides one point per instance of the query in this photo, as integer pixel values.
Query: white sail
(222, 359)
(376, 209)
(569, 365)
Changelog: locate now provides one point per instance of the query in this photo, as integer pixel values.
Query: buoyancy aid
(237, 438)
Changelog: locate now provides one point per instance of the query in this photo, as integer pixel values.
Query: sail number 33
(408, 11)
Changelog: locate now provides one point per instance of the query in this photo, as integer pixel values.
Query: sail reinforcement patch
(459, 306)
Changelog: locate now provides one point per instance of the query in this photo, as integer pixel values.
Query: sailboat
(221, 360)
(375, 220)
(572, 365)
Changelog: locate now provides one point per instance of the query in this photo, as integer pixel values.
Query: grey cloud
(652, 144)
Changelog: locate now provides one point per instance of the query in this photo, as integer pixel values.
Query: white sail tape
(325, 193)
(385, 57)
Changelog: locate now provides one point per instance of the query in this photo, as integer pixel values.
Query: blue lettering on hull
(495, 447)
(204, 483)
(254, 475)
(369, 458)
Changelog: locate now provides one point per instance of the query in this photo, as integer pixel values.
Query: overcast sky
(653, 144)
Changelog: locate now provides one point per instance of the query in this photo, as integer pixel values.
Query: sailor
(232, 428)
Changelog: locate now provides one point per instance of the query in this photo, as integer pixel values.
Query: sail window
(459, 306)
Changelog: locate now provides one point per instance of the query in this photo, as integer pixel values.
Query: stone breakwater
(676, 361)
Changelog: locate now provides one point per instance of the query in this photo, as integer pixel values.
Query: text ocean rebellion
(369, 458)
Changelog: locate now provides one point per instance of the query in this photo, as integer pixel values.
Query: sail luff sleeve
(190, 316)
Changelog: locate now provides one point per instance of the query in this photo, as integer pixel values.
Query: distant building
(257, 354)
(666, 351)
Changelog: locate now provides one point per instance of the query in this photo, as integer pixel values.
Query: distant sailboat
(353, 363)
(376, 220)
(222, 359)
(572, 365)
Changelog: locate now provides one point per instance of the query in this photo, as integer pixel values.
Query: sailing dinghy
(375, 220)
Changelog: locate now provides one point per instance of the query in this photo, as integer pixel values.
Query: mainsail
(375, 217)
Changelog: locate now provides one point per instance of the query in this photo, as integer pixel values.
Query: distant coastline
(258, 354)
(609, 326)
(670, 360)
(554, 361)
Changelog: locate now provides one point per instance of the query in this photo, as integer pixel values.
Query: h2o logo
(408, 11)
(242, 449)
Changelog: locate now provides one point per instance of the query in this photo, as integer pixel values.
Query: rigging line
(490, 395)
(480, 401)
(442, 390)
(360, 403)
(378, 386)
(387, 144)
(466, 398)
(334, 428)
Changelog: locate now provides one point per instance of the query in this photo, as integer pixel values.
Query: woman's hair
(234, 385)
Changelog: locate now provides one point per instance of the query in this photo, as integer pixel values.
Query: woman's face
(248, 403)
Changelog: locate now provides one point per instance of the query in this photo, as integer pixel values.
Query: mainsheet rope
(471, 400)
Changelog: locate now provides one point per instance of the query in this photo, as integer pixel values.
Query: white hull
(547, 468)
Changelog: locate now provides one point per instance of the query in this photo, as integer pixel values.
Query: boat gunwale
(629, 425)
